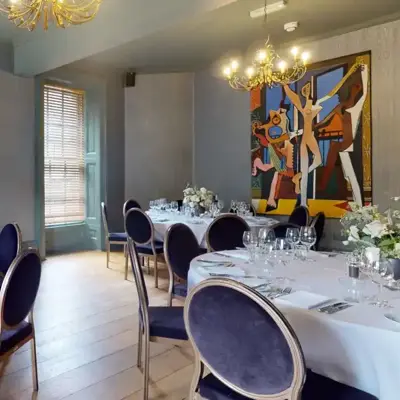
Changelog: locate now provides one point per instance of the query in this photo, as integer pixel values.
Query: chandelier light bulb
(250, 72)
(234, 65)
(227, 72)
(305, 57)
(282, 66)
(261, 55)
(295, 51)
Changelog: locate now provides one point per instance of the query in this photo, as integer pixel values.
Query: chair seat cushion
(319, 387)
(212, 389)
(10, 338)
(180, 289)
(117, 237)
(147, 249)
(167, 322)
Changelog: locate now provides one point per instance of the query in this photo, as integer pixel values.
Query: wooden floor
(86, 326)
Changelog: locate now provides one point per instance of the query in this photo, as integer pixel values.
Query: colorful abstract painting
(311, 141)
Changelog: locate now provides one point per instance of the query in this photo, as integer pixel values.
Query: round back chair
(104, 216)
(129, 204)
(226, 232)
(141, 229)
(281, 227)
(244, 340)
(300, 216)
(10, 245)
(318, 223)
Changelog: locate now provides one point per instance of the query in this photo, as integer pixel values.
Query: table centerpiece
(199, 200)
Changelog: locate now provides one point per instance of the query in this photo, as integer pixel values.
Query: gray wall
(222, 140)
(158, 136)
(222, 159)
(17, 152)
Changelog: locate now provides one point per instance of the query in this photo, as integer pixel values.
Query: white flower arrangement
(200, 197)
(367, 228)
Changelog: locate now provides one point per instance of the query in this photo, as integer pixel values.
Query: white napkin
(242, 254)
(234, 271)
(302, 299)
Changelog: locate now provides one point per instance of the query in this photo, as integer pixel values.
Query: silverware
(327, 307)
(223, 275)
(321, 304)
(340, 308)
(222, 255)
(334, 308)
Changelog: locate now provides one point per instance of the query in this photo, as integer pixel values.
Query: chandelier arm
(77, 7)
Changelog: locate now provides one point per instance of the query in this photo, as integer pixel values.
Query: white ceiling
(229, 30)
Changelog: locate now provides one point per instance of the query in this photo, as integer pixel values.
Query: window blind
(64, 157)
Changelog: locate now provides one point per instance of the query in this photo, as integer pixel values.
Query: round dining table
(357, 346)
(198, 225)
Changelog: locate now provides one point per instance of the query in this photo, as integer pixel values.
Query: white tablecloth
(199, 226)
(357, 346)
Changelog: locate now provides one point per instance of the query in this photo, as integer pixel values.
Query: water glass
(308, 237)
(234, 205)
(250, 241)
(293, 236)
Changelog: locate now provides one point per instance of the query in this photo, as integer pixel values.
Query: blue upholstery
(240, 341)
(8, 247)
(11, 338)
(226, 232)
(167, 322)
(118, 237)
(181, 247)
(147, 249)
(281, 228)
(129, 204)
(299, 216)
(22, 288)
(319, 387)
(318, 223)
(138, 226)
(180, 289)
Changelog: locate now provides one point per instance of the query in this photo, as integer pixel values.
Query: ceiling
(229, 30)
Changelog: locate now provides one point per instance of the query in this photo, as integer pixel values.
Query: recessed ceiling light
(271, 8)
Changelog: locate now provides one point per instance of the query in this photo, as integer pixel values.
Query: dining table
(357, 346)
(198, 225)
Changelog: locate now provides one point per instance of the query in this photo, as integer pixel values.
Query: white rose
(186, 200)
(193, 198)
(372, 254)
(203, 190)
(375, 229)
(196, 199)
(354, 236)
(202, 204)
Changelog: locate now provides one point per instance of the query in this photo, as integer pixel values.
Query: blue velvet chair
(116, 238)
(17, 298)
(318, 223)
(250, 349)
(180, 247)
(300, 216)
(10, 246)
(131, 203)
(226, 232)
(141, 231)
(281, 227)
(155, 323)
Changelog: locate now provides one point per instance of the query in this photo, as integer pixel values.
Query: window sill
(65, 226)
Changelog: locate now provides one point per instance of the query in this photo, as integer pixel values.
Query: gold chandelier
(27, 13)
(268, 69)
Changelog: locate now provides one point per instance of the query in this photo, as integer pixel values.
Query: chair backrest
(244, 340)
(300, 216)
(10, 245)
(281, 227)
(104, 217)
(318, 223)
(141, 228)
(136, 268)
(180, 247)
(226, 232)
(19, 288)
(131, 203)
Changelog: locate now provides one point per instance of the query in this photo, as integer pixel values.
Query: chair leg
(155, 271)
(140, 345)
(197, 375)
(148, 265)
(108, 253)
(34, 364)
(126, 262)
(146, 371)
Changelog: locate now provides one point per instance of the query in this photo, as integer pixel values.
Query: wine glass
(234, 205)
(266, 239)
(250, 241)
(308, 237)
(293, 237)
(220, 205)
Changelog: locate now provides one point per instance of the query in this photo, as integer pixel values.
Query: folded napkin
(302, 299)
(242, 254)
(233, 271)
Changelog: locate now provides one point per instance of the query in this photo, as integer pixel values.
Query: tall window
(64, 157)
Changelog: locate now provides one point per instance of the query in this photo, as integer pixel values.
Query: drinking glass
(308, 237)
(250, 241)
(293, 237)
(174, 206)
(234, 205)
(220, 205)
(379, 273)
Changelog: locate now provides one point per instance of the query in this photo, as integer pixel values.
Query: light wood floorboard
(86, 320)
